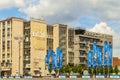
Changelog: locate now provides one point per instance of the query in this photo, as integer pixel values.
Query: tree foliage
(116, 70)
(74, 69)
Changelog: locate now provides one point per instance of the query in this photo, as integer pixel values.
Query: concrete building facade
(24, 44)
(83, 41)
(9, 47)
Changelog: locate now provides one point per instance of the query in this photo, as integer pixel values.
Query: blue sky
(11, 12)
(94, 15)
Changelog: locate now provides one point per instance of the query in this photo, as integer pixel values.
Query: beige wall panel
(17, 30)
(38, 45)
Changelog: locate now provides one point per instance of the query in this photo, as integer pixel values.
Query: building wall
(60, 39)
(71, 46)
(38, 37)
(38, 46)
(17, 31)
(116, 61)
(84, 41)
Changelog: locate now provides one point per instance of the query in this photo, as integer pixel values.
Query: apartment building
(83, 41)
(71, 46)
(10, 29)
(24, 44)
(35, 47)
(60, 39)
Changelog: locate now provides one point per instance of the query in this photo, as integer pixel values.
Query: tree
(106, 70)
(62, 70)
(50, 70)
(111, 70)
(67, 69)
(94, 70)
(74, 69)
(80, 69)
(116, 70)
(90, 70)
(102, 70)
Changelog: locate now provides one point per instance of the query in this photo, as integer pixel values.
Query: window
(3, 55)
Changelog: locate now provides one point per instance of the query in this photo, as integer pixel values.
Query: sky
(94, 15)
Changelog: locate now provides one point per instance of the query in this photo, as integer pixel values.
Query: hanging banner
(105, 53)
(110, 55)
(99, 56)
(56, 59)
(61, 58)
(53, 60)
(94, 55)
(47, 57)
(89, 59)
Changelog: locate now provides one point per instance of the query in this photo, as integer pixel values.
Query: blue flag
(60, 58)
(53, 60)
(99, 56)
(94, 55)
(48, 57)
(89, 59)
(105, 54)
(110, 55)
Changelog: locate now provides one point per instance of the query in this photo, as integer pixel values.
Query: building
(116, 62)
(60, 39)
(71, 46)
(24, 44)
(9, 46)
(83, 41)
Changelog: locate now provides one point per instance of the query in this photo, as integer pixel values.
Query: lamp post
(19, 38)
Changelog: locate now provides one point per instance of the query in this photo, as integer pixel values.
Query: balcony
(26, 58)
(8, 26)
(27, 66)
(5, 68)
(70, 49)
(83, 62)
(27, 27)
(27, 46)
(49, 36)
(82, 55)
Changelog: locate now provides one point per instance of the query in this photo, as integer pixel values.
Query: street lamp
(19, 38)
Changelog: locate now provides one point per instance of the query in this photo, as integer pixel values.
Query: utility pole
(19, 38)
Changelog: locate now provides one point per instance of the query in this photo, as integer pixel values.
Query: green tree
(67, 69)
(90, 70)
(111, 70)
(74, 69)
(80, 69)
(94, 70)
(106, 70)
(50, 70)
(102, 70)
(62, 70)
(116, 70)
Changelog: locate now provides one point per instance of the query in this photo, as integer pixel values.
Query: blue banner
(94, 55)
(110, 55)
(56, 59)
(105, 54)
(99, 56)
(48, 57)
(90, 59)
(60, 58)
(53, 60)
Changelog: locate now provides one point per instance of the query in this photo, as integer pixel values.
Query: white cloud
(105, 29)
(66, 11)
(69, 11)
